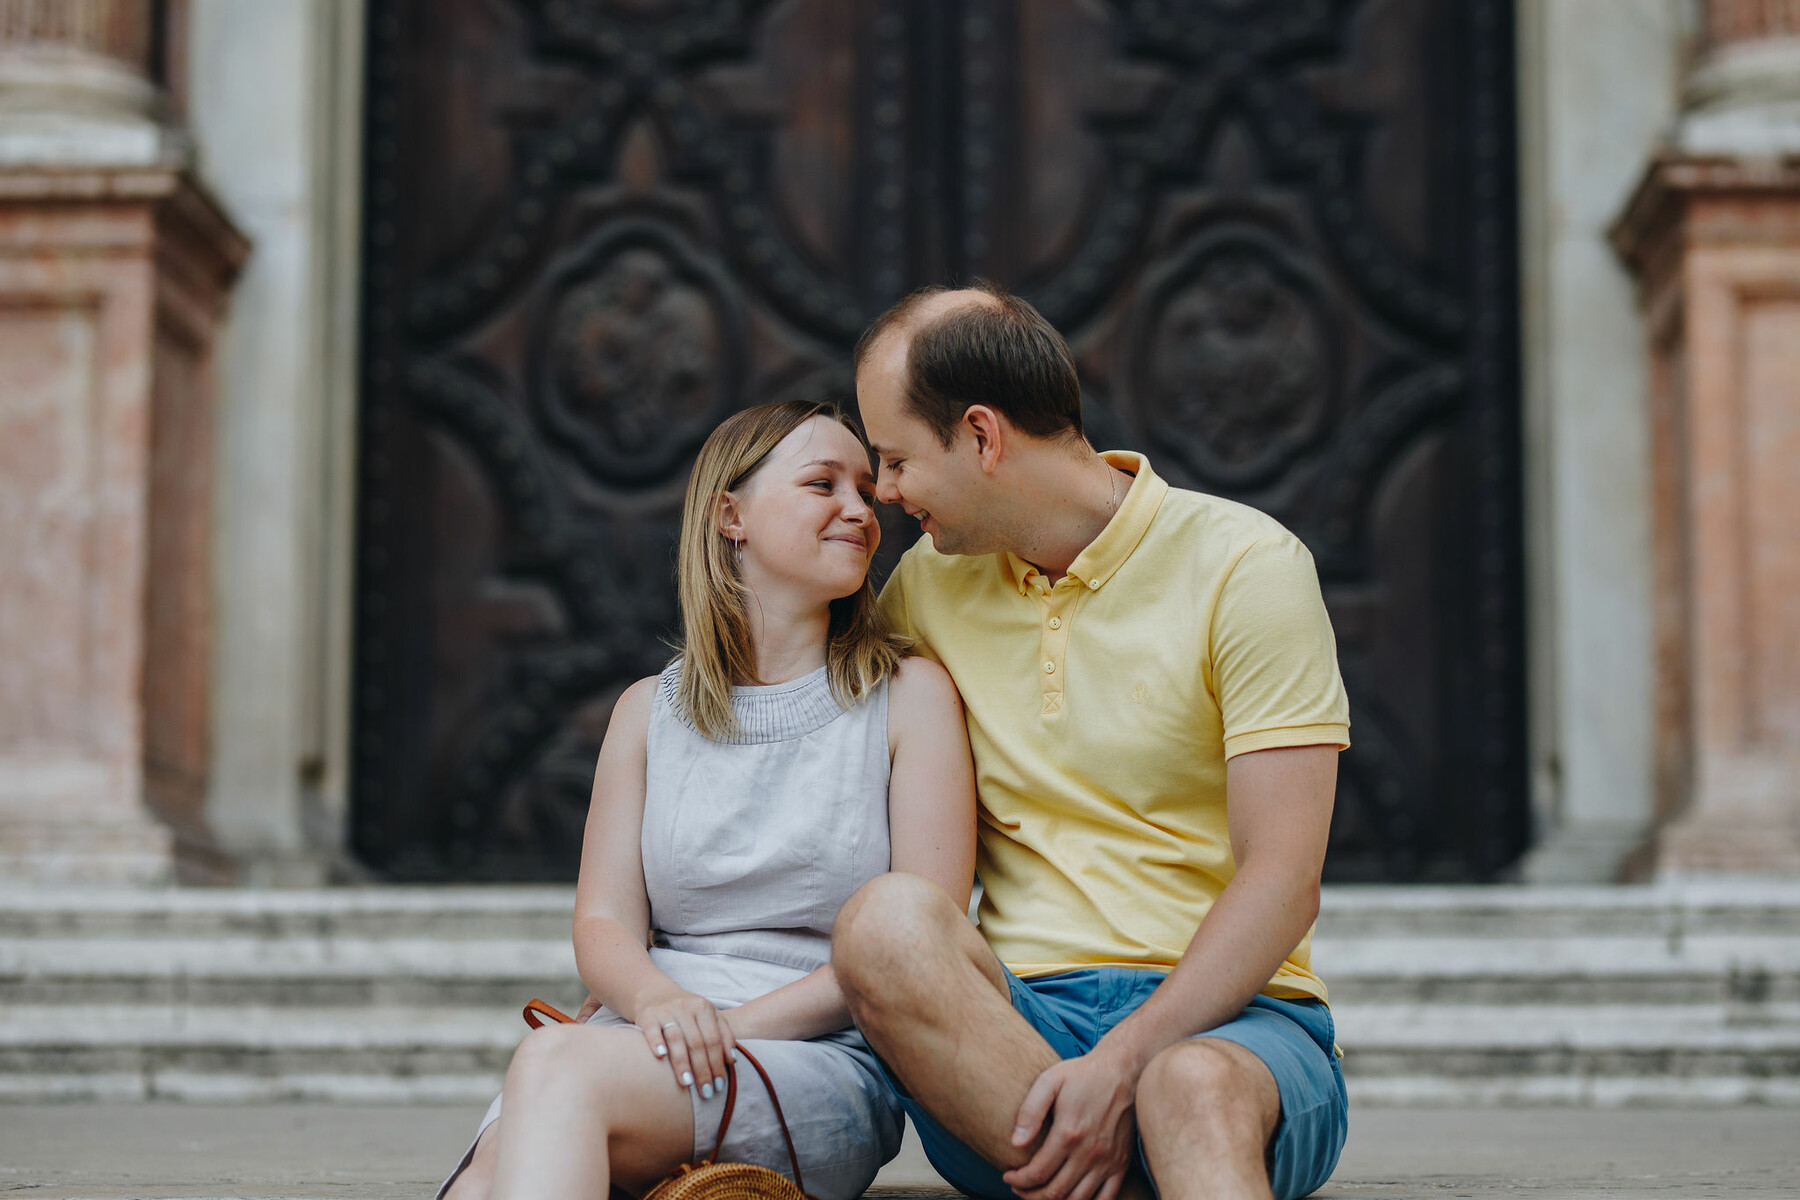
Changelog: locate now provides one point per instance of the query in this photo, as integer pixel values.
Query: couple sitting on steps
(1116, 701)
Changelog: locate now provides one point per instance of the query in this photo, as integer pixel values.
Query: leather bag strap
(537, 1010)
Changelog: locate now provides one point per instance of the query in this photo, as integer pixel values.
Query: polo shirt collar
(1103, 557)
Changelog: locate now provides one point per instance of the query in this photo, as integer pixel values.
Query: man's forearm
(1256, 922)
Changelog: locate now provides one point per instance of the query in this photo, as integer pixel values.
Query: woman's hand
(693, 1035)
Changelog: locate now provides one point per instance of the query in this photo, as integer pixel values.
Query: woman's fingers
(659, 1045)
(710, 1062)
(694, 1037)
(681, 1037)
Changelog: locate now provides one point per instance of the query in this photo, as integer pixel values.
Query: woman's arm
(612, 909)
(931, 829)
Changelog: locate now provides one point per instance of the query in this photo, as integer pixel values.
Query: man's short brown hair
(999, 352)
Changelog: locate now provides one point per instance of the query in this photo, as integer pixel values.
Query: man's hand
(1088, 1147)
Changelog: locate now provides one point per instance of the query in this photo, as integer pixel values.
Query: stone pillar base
(1716, 244)
(1698, 847)
(112, 283)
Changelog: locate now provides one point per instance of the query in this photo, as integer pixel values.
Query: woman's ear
(730, 517)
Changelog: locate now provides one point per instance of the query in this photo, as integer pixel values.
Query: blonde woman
(789, 754)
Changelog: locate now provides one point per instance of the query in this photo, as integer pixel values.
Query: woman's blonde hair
(717, 651)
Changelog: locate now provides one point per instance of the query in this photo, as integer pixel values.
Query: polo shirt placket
(1058, 603)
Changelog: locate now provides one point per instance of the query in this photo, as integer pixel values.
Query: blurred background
(353, 354)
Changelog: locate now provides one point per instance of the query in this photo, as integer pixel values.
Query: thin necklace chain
(1113, 478)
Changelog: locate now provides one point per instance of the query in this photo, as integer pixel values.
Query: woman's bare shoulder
(632, 709)
(920, 685)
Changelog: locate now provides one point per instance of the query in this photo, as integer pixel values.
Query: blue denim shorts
(1074, 1010)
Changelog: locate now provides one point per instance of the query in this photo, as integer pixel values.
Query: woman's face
(806, 518)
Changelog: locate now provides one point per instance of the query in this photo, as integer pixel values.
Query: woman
(789, 754)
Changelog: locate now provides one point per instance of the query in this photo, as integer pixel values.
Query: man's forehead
(893, 341)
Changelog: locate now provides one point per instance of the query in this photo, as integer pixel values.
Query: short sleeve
(1274, 659)
(897, 610)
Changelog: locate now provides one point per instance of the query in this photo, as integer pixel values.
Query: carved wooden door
(1278, 235)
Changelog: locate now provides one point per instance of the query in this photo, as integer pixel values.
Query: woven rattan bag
(710, 1179)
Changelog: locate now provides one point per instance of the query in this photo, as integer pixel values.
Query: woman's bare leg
(585, 1109)
(474, 1180)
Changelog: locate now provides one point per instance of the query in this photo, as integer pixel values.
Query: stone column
(114, 268)
(1713, 234)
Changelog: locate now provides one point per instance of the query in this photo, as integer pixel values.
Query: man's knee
(1207, 1079)
(882, 928)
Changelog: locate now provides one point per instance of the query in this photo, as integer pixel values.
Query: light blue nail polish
(719, 1084)
(706, 1091)
(662, 1051)
(687, 1079)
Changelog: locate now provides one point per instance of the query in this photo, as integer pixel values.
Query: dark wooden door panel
(1278, 236)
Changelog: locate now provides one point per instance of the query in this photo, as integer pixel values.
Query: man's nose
(885, 490)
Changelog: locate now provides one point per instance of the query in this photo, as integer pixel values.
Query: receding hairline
(931, 309)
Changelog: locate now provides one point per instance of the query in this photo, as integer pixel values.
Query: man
(1154, 705)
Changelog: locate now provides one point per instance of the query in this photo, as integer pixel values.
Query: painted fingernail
(706, 1091)
(719, 1083)
(687, 1079)
(662, 1051)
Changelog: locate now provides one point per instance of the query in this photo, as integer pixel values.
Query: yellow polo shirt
(1101, 712)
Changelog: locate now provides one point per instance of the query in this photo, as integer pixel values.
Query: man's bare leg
(1206, 1109)
(932, 1000)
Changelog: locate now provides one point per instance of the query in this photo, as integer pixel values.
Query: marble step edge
(1334, 957)
(1748, 991)
(151, 958)
(1699, 1027)
(478, 1088)
(1573, 1089)
(1775, 898)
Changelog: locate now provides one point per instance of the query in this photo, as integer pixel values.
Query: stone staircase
(1668, 995)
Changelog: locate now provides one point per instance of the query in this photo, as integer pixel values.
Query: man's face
(936, 486)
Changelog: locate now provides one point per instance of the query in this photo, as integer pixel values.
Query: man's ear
(729, 517)
(989, 429)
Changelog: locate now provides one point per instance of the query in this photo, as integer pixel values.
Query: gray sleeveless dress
(750, 848)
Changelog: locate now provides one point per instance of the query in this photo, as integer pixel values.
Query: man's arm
(1279, 812)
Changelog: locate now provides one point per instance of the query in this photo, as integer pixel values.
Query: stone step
(449, 913)
(1442, 995)
(1543, 1053)
(418, 971)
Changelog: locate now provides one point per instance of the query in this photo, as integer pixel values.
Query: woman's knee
(544, 1052)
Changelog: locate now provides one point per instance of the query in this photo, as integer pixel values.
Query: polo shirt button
(1049, 668)
(1094, 585)
(1056, 622)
